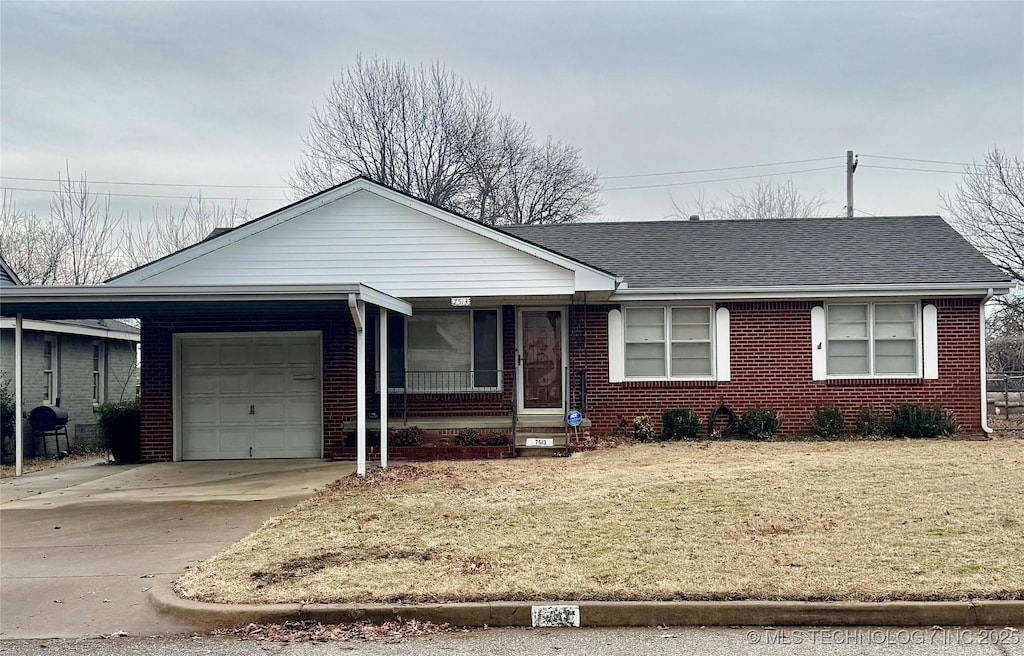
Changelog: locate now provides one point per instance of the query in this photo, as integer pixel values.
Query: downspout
(355, 306)
(984, 369)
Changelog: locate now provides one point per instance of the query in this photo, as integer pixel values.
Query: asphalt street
(577, 642)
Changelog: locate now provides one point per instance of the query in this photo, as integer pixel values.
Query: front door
(541, 351)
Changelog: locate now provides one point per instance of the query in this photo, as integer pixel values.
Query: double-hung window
(50, 365)
(98, 373)
(668, 342)
(873, 339)
(445, 351)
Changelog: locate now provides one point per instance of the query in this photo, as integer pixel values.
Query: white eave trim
(809, 291)
(220, 294)
(68, 329)
(588, 278)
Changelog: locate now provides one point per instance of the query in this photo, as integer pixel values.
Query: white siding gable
(366, 238)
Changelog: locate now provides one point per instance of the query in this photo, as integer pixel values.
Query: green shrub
(411, 436)
(870, 423)
(917, 421)
(760, 423)
(682, 424)
(468, 437)
(496, 438)
(827, 422)
(643, 429)
(119, 426)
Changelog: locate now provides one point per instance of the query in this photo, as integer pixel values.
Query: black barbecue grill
(47, 420)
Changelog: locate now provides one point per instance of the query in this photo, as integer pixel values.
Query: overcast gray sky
(219, 93)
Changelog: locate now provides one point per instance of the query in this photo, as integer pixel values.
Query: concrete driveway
(80, 546)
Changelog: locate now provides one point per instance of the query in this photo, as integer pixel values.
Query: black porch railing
(404, 383)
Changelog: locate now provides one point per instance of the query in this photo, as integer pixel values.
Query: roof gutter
(809, 291)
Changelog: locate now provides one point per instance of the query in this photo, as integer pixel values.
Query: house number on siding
(460, 301)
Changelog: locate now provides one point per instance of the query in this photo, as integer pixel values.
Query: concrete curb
(607, 613)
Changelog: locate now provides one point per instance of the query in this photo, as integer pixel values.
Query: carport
(248, 305)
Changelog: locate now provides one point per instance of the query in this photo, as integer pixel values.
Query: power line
(903, 168)
(742, 177)
(936, 161)
(110, 193)
(149, 184)
(724, 168)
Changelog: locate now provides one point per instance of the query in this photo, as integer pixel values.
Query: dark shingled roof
(746, 253)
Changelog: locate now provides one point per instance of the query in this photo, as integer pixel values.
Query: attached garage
(249, 395)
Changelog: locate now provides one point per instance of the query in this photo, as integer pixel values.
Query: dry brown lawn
(31, 465)
(937, 519)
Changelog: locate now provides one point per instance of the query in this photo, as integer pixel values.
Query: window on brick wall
(669, 342)
(51, 370)
(446, 350)
(873, 339)
(98, 372)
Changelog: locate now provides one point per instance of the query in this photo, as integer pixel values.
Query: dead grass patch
(30, 465)
(934, 519)
(388, 632)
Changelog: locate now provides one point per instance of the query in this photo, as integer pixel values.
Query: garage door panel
(277, 375)
(200, 383)
(270, 353)
(235, 382)
(235, 354)
(270, 381)
(200, 410)
(303, 353)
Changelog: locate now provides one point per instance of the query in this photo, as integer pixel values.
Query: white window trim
(52, 390)
(918, 357)
(666, 309)
(99, 371)
(472, 356)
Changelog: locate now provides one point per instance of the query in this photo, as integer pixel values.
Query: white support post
(382, 348)
(19, 408)
(357, 308)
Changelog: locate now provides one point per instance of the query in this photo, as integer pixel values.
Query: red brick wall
(339, 395)
(483, 404)
(771, 366)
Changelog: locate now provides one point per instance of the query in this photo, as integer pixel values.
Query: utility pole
(851, 166)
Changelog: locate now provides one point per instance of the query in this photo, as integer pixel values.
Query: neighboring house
(264, 340)
(76, 364)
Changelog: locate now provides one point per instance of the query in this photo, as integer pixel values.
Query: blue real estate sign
(574, 418)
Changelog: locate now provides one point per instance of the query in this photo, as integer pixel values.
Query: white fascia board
(65, 329)
(202, 293)
(809, 291)
(594, 280)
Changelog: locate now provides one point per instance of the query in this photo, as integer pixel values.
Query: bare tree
(766, 199)
(147, 240)
(30, 245)
(987, 208)
(426, 132)
(90, 234)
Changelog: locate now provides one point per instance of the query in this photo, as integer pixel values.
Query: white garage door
(253, 396)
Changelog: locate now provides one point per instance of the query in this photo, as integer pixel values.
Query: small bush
(468, 437)
(915, 421)
(682, 424)
(496, 438)
(827, 422)
(120, 428)
(870, 423)
(643, 429)
(411, 436)
(760, 423)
